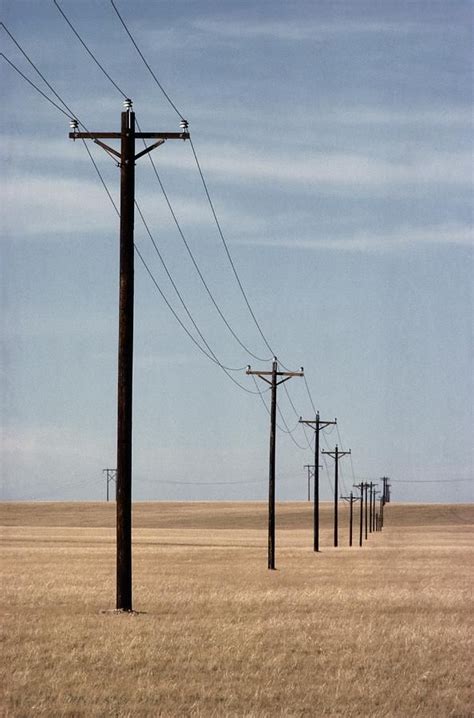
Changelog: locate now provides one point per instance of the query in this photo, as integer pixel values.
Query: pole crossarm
(312, 423)
(263, 374)
(332, 454)
(161, 137)
(138, 135)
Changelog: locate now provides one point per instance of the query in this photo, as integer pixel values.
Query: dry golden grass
(379, 631)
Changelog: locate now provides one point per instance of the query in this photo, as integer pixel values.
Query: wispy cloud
(403, 237)
(341, 169)
(292, 30)
(39, 205)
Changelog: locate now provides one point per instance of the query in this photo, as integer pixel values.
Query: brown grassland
(376, 632)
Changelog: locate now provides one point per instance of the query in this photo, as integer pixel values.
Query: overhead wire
(88, 50)
(146, 63)
(213, 356)
(30, 82)
(192, 257)
(206, 190)
(308, 441)
(109, 77)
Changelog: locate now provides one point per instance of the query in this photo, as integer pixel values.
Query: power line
(30, 82)
(221, 234)
(180, 297)
(193, 259)
(88, 50)
(146, 63)
(108, 76)
(201, 174)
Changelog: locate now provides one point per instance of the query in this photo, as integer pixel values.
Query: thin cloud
(403, 237)
(301, 31)
(334, 168)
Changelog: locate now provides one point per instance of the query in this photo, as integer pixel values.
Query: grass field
(378, 631)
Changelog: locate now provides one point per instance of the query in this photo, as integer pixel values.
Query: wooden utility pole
(385, 490)
(336, 455)
(351, 499)
(366, 489)
(310, 468)
(274, 383)
(374, 512)
(127, 158)
(371, 502)
(317, 425)
(361, 512)
(111, 475)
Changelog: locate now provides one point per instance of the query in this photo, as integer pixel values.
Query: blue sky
(336, 140)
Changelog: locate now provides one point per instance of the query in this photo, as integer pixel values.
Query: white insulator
(128, 104)
(184, 125)
(73, 123)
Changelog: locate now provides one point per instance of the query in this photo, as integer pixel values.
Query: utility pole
(386, 490)
(371, 499)
(317, 424)
(366, 488)
(374, 514)
(361, 513)
(310, 468)
(111, 475)
(336, 455)
(126, 160)
(274, 383)
(351, 499)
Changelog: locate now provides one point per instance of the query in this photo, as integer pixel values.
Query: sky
(335, 139)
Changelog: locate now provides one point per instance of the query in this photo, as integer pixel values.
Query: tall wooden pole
(336, 455)
(316, 487)
(336, 498)
(351, 514)
(366, 486)
(127, 158)
(371, 497)
(125, 364)
(274, 382)
(317, 424)
(271, 482)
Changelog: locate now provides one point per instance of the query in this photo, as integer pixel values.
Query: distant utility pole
(386, 490)
(310, 468)
(127, 159)
(366, 488)
(317, 425)
(351, 499)
(336, 455)
(374, 514)
(274, 374)
(361, 512)
(371, 506)
(111, 475)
